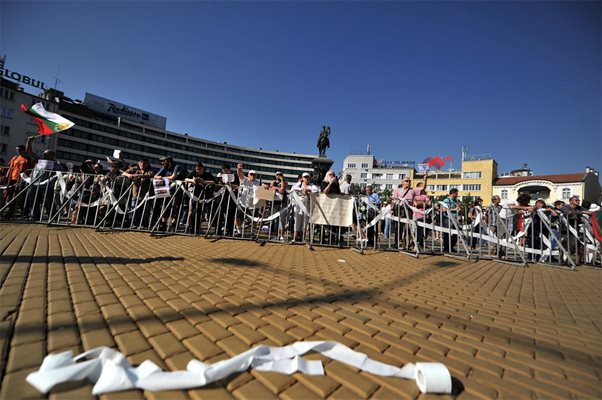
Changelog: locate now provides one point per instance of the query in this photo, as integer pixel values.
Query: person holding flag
(47, 122)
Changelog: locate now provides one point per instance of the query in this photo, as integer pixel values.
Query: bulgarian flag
(48, 123)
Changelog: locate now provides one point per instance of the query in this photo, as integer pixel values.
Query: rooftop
(559, 178)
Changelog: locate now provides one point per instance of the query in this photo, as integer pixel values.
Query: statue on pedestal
(323, 141)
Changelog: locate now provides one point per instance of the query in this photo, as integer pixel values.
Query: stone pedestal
(320, 167)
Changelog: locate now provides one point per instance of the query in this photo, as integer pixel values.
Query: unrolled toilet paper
(110, 371)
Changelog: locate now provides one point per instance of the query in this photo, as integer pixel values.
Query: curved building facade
(96, 134)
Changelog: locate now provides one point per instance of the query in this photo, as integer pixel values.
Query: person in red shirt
(17, 165)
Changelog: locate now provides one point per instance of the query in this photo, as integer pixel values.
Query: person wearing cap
(279, 185)
(203, 183)
(227, 207)
(170, 172)
(303, 188)
(246, 193)
(141, 175)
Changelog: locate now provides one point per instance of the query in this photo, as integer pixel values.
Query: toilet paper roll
(433, 378)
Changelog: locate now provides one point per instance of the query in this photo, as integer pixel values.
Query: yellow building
(474, 179)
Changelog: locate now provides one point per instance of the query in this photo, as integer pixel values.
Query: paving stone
(246, 334)
(131, 343)
(298, 391)
(350, 378)
(201, 347)
(273, 381)
(60, 339)
(213, 330)
(96, 338)
(26, 356)
(253, 390)
(13, 386)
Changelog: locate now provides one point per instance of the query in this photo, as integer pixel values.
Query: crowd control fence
(113, 203)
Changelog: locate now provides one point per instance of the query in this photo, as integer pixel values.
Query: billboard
(123, 111)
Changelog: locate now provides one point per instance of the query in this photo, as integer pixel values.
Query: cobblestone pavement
(503, 331)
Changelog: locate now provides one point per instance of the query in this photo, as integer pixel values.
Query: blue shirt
(451, 203)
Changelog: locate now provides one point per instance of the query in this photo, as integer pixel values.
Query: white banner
(331, 209)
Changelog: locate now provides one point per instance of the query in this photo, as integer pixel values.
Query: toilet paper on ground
(110, 371)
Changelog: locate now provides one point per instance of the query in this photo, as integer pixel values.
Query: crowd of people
(228, 203)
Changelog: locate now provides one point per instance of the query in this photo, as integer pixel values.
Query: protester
(203, 184)
(304, 189)
(421, 202)
(280, 201)
(18, 165)
(246, 196)
(227, 207)
(450, 211)
(345, 187)
(170, 172)
(330, 184)
(141, 175)
(371, 212)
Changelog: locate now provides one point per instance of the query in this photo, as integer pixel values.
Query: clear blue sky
(519, 80)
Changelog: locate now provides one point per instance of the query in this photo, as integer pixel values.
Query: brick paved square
(504, 331)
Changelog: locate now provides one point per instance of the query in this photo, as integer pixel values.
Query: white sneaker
(281, 239)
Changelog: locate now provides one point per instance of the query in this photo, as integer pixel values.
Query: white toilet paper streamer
(110, 371)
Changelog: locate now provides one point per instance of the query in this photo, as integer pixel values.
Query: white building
(365, 169)
(15, 125)
(551, 187)
(137, 133)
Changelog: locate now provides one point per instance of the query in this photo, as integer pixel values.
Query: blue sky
(518, 80)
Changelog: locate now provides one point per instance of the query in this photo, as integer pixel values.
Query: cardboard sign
(331, 209)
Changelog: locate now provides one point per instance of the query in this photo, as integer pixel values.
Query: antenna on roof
(369, 149)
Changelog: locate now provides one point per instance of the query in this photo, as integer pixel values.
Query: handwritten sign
(331, 209)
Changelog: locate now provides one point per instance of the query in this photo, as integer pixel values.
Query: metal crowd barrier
(221, 211)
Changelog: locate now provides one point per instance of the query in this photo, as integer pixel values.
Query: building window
(472, 175)
(455, 186)
(400, 176)
(504, 195)
(566, 193)
(6, 112)
(363, 175)
(364, 165)
(388, 186)
(362, 186)
(441, 187)
(430, 187)
(376, 187)
(377, 176)
(389, 176)
(351, 165)
(472, 187)
(2, 147)
(7, 94)
(4, 130)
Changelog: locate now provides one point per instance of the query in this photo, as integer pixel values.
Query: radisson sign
(123, 111)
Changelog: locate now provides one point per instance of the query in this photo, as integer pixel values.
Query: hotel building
(104, 125)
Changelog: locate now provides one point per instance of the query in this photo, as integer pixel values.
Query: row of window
(139, 150)
(163, 144)
(566, 194)
(354, 165)
(178, 138)
(465, 187)
(7, 93)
